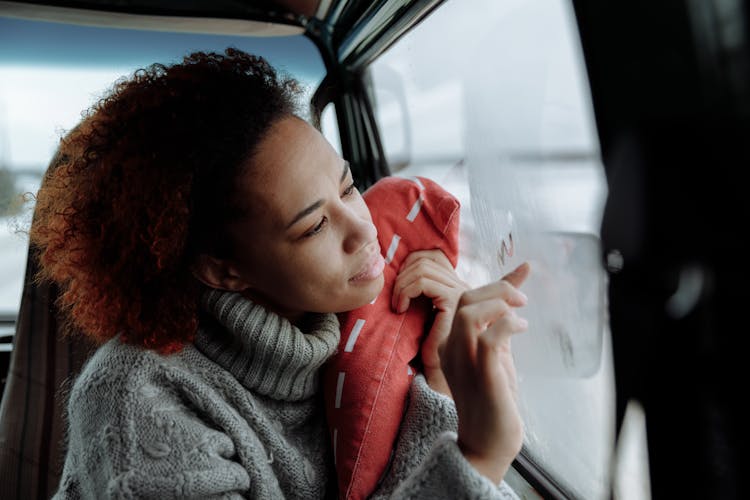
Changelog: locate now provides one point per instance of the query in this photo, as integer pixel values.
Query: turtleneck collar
(264, 351)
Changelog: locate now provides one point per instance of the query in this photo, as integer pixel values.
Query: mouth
(371, 270)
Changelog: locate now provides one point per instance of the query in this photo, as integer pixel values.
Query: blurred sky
(51, 72)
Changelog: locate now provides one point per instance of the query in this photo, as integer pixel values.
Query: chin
(374, 292)
(365, 295)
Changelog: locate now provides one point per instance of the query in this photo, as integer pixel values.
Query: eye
(349, 190)
(317, 228)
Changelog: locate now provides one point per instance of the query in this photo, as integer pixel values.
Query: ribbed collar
(264, 351)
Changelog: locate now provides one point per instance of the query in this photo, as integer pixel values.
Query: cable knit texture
(239, 414)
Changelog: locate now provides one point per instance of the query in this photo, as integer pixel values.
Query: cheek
(325, 261)
(317, 265)
(361, 209)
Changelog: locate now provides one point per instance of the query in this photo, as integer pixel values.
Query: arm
(427, 461)
(468, 350)
(130, 436)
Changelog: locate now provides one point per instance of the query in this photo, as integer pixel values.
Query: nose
(360, 231)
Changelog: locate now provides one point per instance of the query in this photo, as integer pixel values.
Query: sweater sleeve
(132, 437)
(427, 462)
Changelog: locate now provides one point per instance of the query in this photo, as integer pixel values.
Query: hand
(430, 273)
(478, 365)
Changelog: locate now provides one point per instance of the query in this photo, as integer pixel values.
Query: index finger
(500, 289)
(517, 276)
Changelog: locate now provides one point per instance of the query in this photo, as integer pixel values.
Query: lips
(372, 269)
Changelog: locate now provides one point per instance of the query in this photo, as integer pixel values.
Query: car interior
(603, 142)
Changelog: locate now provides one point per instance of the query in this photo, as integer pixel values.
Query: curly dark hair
(145, 184)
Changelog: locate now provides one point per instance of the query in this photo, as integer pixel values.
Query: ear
(219, 273)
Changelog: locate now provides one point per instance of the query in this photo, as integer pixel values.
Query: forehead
(286, 174)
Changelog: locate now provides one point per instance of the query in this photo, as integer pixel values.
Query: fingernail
(523, 322)
(523, 296)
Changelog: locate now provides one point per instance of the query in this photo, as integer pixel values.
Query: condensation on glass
(490, 99)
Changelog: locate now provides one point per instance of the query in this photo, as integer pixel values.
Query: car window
(490, 99)
(330, 128)
(51, 72)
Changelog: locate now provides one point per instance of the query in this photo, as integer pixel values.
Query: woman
(206, 235)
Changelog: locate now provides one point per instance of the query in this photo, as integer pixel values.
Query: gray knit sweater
(239, 414)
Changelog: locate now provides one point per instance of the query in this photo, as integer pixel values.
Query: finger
(435, 339)
(429, 264)
(434, 255)
(428, 270)
(494, 357)
(517, 276)
(500, 289)
(503, 328)
(407, 277)
(474, 318)
(422, 286)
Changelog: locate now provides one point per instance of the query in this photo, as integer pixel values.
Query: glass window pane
(329, 126)
(490, 99)
(51, 72)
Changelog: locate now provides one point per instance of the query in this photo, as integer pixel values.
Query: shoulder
(120, 379)
(126, 394)
(113, 367)
(140, 421)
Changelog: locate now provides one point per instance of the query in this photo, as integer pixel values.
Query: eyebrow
(313, 207)
(346, 171)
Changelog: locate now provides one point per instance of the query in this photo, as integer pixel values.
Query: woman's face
(307, 242)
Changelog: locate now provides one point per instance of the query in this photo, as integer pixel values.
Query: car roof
(348, 33)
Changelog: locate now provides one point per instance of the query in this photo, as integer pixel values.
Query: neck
(264, 351)
(295, 317)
